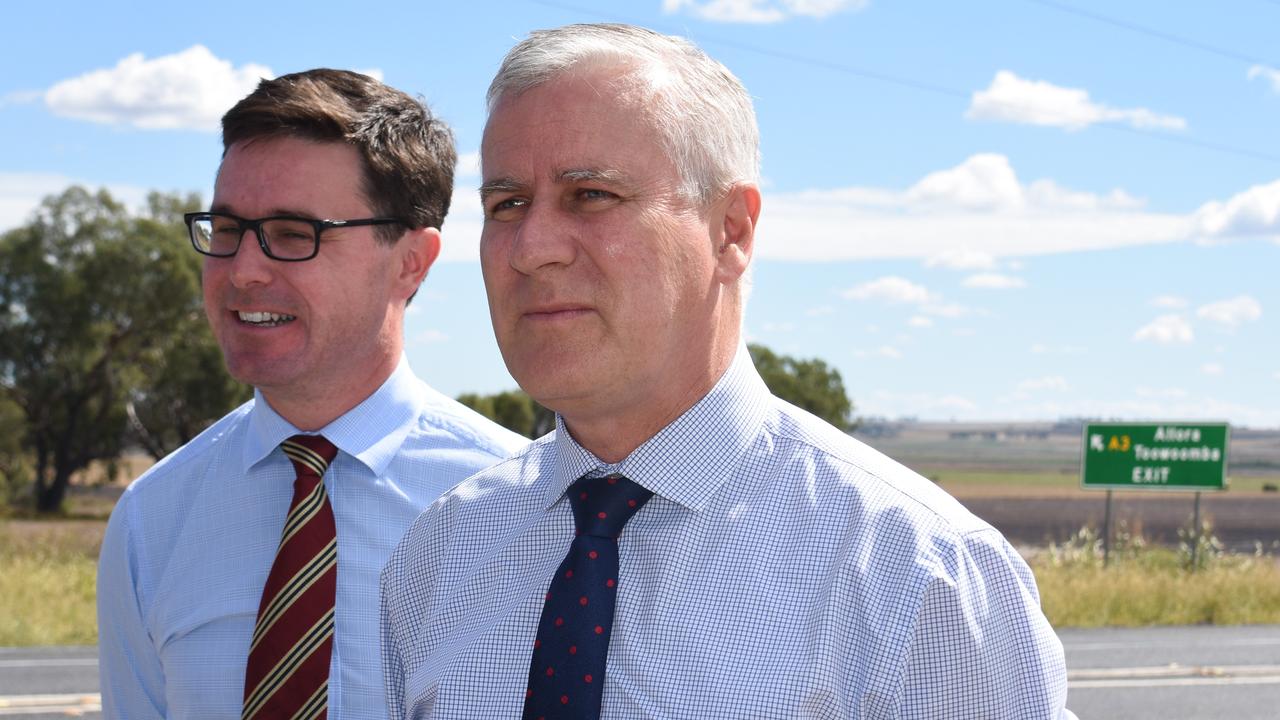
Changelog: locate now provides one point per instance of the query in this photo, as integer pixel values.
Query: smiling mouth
(264, 319)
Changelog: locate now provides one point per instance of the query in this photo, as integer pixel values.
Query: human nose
(545, 237)
(250, 265)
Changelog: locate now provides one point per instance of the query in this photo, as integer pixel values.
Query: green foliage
(100, 309)
(15, 470)
(807, 384)
(514, 410)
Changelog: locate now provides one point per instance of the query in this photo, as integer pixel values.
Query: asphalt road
(1178, 673)
(49, 682)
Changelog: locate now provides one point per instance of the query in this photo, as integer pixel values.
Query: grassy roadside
(47, 572)
(1145, 585)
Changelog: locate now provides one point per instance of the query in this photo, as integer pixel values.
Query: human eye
(223, 227)
(591, 199)
(595, 195)
(290, 238)
(503, 208)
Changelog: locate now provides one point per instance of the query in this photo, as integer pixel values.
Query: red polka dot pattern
(577, 616)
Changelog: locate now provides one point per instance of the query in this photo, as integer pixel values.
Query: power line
(922, 85)
(1142, 29)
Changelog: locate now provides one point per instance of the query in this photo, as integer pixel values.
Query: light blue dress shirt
(781, 570)
(190, 543)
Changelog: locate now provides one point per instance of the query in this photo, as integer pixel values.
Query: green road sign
(1164, 456)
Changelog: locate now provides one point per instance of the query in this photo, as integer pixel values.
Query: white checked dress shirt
(190, 543)
(781, 570)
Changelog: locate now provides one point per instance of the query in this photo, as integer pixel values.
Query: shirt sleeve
(980, 646)
(129, 669)
(392, 663)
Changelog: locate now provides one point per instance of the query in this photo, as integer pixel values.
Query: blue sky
(995, 210)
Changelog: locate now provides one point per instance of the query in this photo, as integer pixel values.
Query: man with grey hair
(684, 545)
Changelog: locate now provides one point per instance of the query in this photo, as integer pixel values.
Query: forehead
(579, 122)
(268, 175)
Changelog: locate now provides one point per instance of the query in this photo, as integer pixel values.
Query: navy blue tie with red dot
(566, 675)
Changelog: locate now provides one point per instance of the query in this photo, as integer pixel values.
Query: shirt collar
(689, 459)
(371, 432)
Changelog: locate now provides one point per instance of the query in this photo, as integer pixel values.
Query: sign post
(1185, 456)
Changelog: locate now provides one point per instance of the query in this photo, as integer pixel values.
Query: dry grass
(1155, 586)
(47, 573)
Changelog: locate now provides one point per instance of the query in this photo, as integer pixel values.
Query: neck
(612, 436)
(309, 411)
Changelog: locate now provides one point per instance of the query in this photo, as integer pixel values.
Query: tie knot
(311, 454)
(601, 506)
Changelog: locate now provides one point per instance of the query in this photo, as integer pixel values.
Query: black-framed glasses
(281, 237)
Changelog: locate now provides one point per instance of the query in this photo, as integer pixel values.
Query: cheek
(614, 249)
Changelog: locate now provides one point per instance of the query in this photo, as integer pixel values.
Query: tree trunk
(49, 497)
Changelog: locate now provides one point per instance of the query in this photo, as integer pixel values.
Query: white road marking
(49, 662)
(1174, 676)
(70, 704)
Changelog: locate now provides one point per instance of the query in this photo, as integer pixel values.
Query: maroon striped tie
(288, 673)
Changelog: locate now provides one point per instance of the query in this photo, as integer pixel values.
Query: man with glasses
(238, 577)
(685, 544)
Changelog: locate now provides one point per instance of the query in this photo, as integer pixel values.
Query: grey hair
(700, 109)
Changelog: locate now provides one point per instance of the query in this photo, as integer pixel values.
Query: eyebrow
(497, 185)
(273, 212)
(612, 177)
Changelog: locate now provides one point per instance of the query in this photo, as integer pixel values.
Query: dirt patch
(1038, 518)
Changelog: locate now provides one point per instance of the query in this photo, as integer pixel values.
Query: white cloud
(187, 90)
(891, 289)
(760, 11)
(819, 311)
(1036, 102)
(431, 335)
(979, 206)
(1254, 212)
(1270, 74)
(1231, 313)
(983, 182)
(884, 351)
(962, 260)
(920, 321)
(1166, 330)
(1211, 369)
(994, 281)
(1172, 302)
(460, 236)
(21, 193)
(1055, 383)
(468, 166)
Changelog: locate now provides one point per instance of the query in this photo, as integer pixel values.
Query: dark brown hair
(408, 153)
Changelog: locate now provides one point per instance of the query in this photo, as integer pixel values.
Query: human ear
(736, 221)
